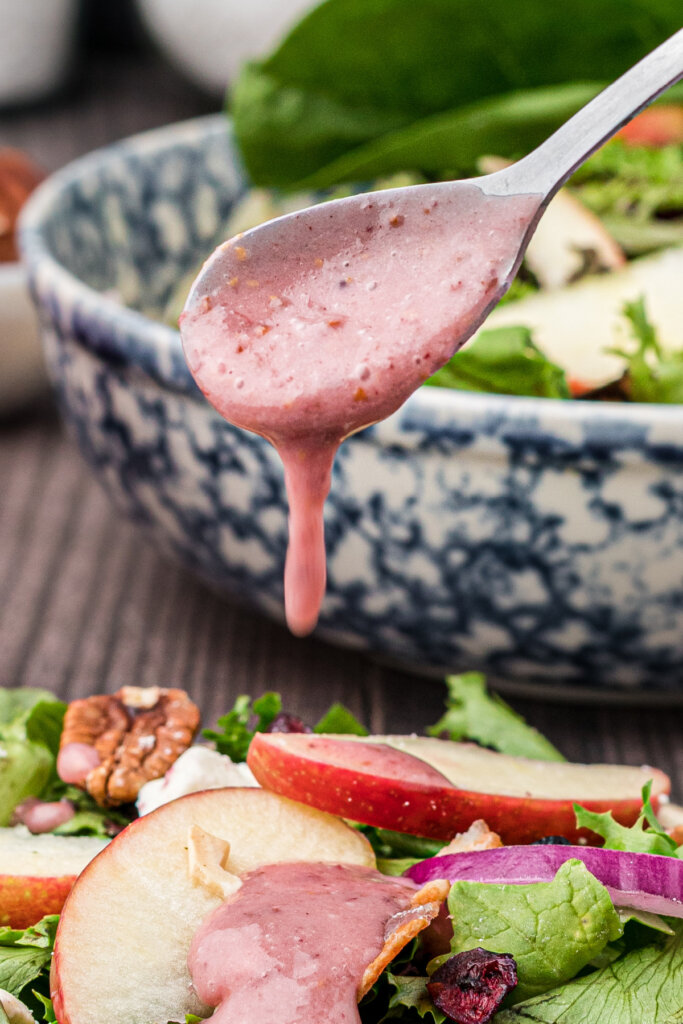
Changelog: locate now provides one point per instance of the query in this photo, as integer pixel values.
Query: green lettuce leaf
(25, 770)
(17, 703)
(237, 728)
(552, 929)
(45, 1004)
(638, 182)
(354, 72)
(645, 836)
(30, 724)
(411, 994)
(341, 721)
(474, 714)
(25, 954)
(652, 375)
(642, 987)
(503, 361)
(44, 724)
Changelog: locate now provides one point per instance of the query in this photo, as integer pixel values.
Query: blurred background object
(209, 39)
(37, 46)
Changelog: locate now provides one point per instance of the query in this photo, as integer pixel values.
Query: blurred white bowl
(37, 43)
(208, 40)
(22, 369)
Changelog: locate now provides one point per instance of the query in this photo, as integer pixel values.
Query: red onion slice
(645, 881)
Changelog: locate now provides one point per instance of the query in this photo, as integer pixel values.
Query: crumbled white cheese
(196, 769)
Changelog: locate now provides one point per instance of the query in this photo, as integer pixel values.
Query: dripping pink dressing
(292, 944)
(326, 330)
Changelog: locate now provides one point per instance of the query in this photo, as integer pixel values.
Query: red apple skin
(335, 776)
(55, 991)
(24, 899)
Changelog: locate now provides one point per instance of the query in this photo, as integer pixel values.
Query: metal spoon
(316, 324)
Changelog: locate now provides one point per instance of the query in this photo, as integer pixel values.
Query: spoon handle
(548, 166)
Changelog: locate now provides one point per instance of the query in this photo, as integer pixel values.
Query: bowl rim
(158, 347)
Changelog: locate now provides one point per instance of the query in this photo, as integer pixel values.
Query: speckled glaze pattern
(537, 540)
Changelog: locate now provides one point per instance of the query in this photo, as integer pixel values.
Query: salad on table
(297, 871)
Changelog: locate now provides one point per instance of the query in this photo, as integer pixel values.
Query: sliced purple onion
(644, 881)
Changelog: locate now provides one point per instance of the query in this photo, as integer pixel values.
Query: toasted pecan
(137, 733)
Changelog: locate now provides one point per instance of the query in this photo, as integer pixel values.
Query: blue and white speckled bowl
(538, 540)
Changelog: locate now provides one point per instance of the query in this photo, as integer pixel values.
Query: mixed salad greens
(343, 99)
(577, 954)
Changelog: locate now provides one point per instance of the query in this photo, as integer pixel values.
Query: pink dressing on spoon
(291, 946)
(329, 326)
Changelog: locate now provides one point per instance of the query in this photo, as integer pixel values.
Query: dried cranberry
(288, 723)
(469, 987)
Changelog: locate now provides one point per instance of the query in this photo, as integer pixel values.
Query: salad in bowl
(297, 870)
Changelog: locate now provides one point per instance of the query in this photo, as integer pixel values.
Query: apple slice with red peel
(37, 872)
(124, 935)
(436, 788)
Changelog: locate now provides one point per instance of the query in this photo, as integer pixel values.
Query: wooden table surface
(87, 605)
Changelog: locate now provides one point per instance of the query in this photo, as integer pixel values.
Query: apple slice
(436, 788)
(124, 935)
(577, 326)
(37, 872)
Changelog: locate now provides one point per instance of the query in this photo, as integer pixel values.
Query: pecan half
(137, 734)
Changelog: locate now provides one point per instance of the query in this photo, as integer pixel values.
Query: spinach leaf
(353, 72)
(449, 144)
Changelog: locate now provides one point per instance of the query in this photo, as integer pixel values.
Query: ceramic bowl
(540, 541)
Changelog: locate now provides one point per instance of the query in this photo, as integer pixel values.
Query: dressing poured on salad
(293, 943)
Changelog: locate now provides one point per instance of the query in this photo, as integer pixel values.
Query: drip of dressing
(292, 944)
(322, 332)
